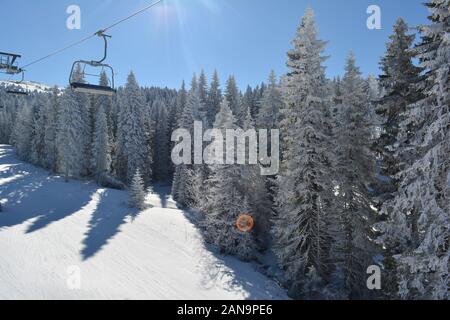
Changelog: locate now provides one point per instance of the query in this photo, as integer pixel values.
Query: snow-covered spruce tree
(270, 105)
(248, 101)
(201, 173)
(22, 132)
(397, 80)
(301, 239)
(161, 143)
(225, 200)
(253, 186)
(73, 132)
(101, 150)
(355, 166)
(397, 83)
(149, 144)
(131, 134)
(213, 100)
(203, 95)
(38, 131)
(7, 115)
(70, 149)
(137, 191)
(233, 97)
(182, 187)
(105, 103)
(51, 116)
(258, 94)
(418, 225)
(180, 104)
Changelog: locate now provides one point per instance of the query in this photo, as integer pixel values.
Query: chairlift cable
(59, 51)
(98, 33)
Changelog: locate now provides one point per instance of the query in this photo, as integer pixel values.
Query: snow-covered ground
(29, 86)
(52, 231)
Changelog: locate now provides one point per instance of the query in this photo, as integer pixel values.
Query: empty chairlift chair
(80, 70)
(9, 66)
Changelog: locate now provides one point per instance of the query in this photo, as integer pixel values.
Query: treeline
(364, 177)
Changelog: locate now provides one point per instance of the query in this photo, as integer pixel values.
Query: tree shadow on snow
(106, 221)
(236, 276)
(35, 195)
(163, 190)
(229, 272)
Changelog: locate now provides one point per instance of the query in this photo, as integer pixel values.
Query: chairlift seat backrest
(92, 89)
(23, 93)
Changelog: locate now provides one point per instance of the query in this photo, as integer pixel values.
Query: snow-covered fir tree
(214, 99)
(225, 200)
(101, 150)
(355, 166)
(38, 131)
(397, 82)
(22, 132)
(182, 187)
(270, 105)
(300, 231)
(137, 191)
(161, 143)
(131, 133)
(73, 132)
(418, 224)
(233, 97)
(50, 131)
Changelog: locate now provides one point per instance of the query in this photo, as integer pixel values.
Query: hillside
(50, 229)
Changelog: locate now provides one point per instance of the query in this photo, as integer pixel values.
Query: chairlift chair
(9, 66)
(8, 63)
(78, 86)
(13, 90)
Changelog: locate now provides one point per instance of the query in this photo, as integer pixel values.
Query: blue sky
(167, 44)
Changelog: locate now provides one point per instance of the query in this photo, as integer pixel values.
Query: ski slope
(75, 240)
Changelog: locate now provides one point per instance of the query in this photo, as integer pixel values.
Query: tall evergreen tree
(300, 230)
(137, 191)
(72, 133)
(397, 81)
(161, 143)
(214, 99)
(50, 131)
(233, 97)
(101, 149)
(131, 132)
(226, 201)
(38, 132)
(271, 104)
(182, 186)
(417, 228)
(22, 132)
(355, 165)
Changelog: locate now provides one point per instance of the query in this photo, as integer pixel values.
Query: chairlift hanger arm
(105, 39)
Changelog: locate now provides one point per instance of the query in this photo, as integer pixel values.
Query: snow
(28, 86)
(49, 228)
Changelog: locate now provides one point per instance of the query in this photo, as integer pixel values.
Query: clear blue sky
(167, 44)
